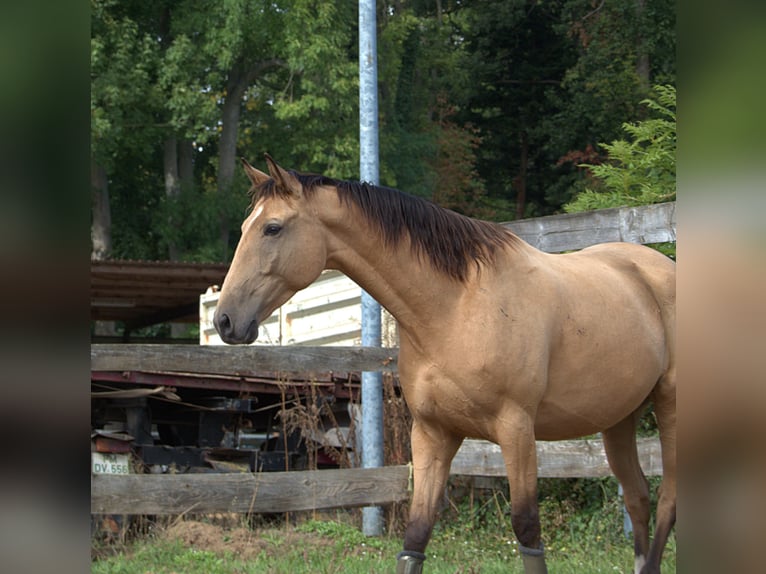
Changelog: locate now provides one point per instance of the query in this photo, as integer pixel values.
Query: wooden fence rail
(247, 492)
(570, 231)
(240, 360)
(274, 492)
(584, 458)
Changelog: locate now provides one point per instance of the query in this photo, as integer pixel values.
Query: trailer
(327, 313)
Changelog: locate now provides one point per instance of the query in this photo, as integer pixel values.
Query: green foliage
(345, 535)
(316, 110)
(191, 103)
(640, 170)
(581, 519)
(517, 59)
(423, 76)
(124, 60)
(600, 90)
(475, 98)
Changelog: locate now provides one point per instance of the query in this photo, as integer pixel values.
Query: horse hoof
(409, 562)
(534, 560)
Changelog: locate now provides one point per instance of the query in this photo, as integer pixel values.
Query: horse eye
(272, 229)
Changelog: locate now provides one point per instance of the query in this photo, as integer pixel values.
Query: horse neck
(408, 287)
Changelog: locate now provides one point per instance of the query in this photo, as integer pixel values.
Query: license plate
(105, 463)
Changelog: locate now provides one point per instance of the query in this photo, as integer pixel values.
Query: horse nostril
(222, 324)
(252, 331)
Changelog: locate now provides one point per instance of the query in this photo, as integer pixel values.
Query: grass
(473, 536)
(347, 551)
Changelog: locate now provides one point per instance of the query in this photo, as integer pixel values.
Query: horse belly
(591, 392)
(559, 422)
(608, 349)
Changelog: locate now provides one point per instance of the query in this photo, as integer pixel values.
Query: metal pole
(372, 385)
(627, 525)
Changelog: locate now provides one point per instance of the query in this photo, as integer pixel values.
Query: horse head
(281, 251)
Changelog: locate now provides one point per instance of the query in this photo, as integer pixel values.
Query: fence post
(627, 525)
(372, 386)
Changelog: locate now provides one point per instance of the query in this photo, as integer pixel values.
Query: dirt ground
(243, 542)
(216, 539)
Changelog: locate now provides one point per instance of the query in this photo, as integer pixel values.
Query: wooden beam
(240, 359)
(162, 270)
(571, 231)
(247, 492)
(560, 459)
(274, 492)
(166, 314)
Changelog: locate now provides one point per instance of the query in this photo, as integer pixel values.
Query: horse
(498, 340)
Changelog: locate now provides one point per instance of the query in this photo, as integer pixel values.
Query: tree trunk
(521, 193)
(240, 78)
(227, 149)
(101, 224)
(179, 178)
(642, 61)
(172, 188)
(186, 165)
(100, 231)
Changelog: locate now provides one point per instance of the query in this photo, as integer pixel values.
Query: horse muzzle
(231, 334)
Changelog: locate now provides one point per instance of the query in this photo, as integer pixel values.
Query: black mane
(449, 241)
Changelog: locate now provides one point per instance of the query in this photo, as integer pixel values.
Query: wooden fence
(309, 490)
(271, 492)
(557, 233)
(247, 492)
(241, 360)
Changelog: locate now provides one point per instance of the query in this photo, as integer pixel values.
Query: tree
(160, 74)
(518, 60)
(123, 63)
(219, 50)
(486, 107)
(639, 170)
(315, 110)
(222, 80)
(427, 148)
(622, 47)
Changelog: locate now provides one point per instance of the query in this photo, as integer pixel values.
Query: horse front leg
(432, 451)
(517, 442)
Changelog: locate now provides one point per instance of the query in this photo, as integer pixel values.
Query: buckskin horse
(498, 340)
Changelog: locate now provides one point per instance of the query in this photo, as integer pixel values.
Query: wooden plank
(240, 359)
(247, 492)
(570, 231)
(313, 490)
(560, 459)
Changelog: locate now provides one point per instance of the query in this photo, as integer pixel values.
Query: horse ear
(284, 178)
(255, 176)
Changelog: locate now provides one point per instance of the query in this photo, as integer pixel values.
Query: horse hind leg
(622, 454)
(664, 399)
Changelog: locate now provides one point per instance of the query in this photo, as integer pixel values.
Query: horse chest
(452, 398)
